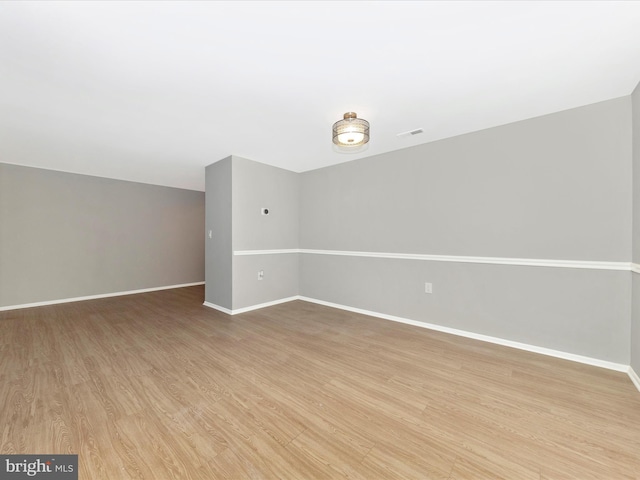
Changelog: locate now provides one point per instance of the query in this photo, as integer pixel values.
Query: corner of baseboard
(251, 307)
(634, 378)
(218, 307)
(264, 305)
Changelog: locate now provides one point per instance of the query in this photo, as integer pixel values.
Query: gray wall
(219, 249)
(64, 235)
(255, 186)
(553, 187)
(635, 321)
(237, 190)
(579, 311)
(280, 279)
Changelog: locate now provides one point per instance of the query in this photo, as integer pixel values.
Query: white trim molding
(94, 297)
(218, 307)
(476, 336)
(266, 252)
(527, 262)
(250, 308)
(634, 378)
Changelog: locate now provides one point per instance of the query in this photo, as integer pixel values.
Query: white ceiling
(155, 91)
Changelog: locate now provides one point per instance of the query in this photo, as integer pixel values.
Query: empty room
(319, 240)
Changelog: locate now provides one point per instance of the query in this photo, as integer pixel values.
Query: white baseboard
(250, 308)
(263, 305)
(218, 307)
(462, 333)
(476, 336)
(94, 297)
(634, 378)
(619, 367)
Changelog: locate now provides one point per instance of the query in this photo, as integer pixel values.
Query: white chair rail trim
(528, 262)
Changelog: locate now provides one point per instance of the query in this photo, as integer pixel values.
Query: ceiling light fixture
(351, 131)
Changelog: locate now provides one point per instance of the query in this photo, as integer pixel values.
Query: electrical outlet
(428, 288)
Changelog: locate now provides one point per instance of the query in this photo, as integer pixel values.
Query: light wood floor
(156, 386)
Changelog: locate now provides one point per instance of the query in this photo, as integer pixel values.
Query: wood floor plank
(156, 386)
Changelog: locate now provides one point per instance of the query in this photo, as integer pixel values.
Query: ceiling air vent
(410, 133)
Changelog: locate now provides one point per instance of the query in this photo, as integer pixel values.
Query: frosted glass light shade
(351, 131)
